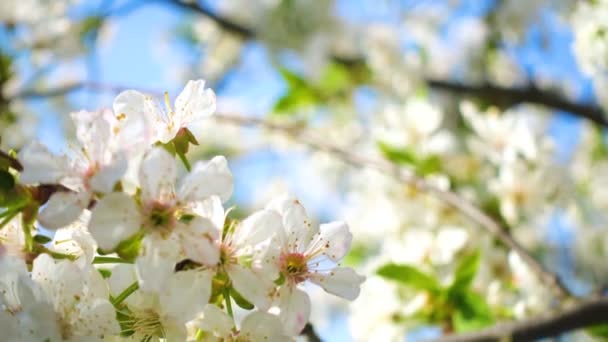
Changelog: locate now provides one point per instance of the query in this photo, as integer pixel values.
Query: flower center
(294, 266)
(146, 323)
(160, 216)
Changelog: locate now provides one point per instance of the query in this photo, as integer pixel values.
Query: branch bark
(585, 314)
(225, 23)
(530, 94)
(451, 199)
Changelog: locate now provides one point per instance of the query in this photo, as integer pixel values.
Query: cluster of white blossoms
(144, 251)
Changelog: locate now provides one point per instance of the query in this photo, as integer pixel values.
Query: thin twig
(310, 333)
(450, 198)
(585, 314)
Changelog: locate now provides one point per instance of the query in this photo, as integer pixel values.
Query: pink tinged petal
(257, 228)
(295, 309)
(185, 294)
(333, 240)
(262, 326)
(199, 241)
(195, 102)
(157, 175)
(156, 262)
(252, 286)
(63, 208)
(207, 179)
(105, 179)
(299, 231)
(343, 282)
(114, 219)
(41, 166)
(215, 321)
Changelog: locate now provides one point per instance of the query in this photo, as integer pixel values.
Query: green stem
(124, 294)
(109, 260)
(8, 216)
(228, 302)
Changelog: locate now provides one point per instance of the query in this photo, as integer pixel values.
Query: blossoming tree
(466, 209)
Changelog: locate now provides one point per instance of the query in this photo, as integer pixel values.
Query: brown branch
(585, 314)
(511, 96)
(452, 199)
(310, 333)
(225, 23)
(28, 94)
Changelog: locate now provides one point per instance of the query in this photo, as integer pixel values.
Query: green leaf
(42, 239)
(600, 331)
(293, 80)
(472, 312)
(336, 78)
(398, 155)
(239, 300)
(7, 181)
(409, 276)
(465, 272)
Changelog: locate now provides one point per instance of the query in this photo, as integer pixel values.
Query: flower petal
(295, 309)
(298, 229)
(198, 239)
(185, 294)
(156, 262)
(207, 179)
(157, 175)
(105, 179)
(343, 282)
(63, 208)
(334, 240)
(215, 321)
(113, 219)
(134, 112)
(257, 228)
(262, 326)
(195, 102)
(251, 285)
(41, 166)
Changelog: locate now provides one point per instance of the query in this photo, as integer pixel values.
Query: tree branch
(451, 199)
(310, 333)
(506, 96)
(225, 23)
(512, 96)
(586, 314)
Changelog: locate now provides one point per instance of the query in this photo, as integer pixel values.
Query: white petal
(41, 166)
(135, 113)
(207, 179)
(193, 103)
(299, 230)
(295, 309)
(252, 286)
(215, 321)
(342, 281)
(262, 326)
(157, 176)
(185, 294)
(97, 318)
(105, 179)
(156, 262)
(113, 219)
(334, 240)
(212, 209)
(258, 227)
(61, 280)
(199, 239)
(63, 208)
